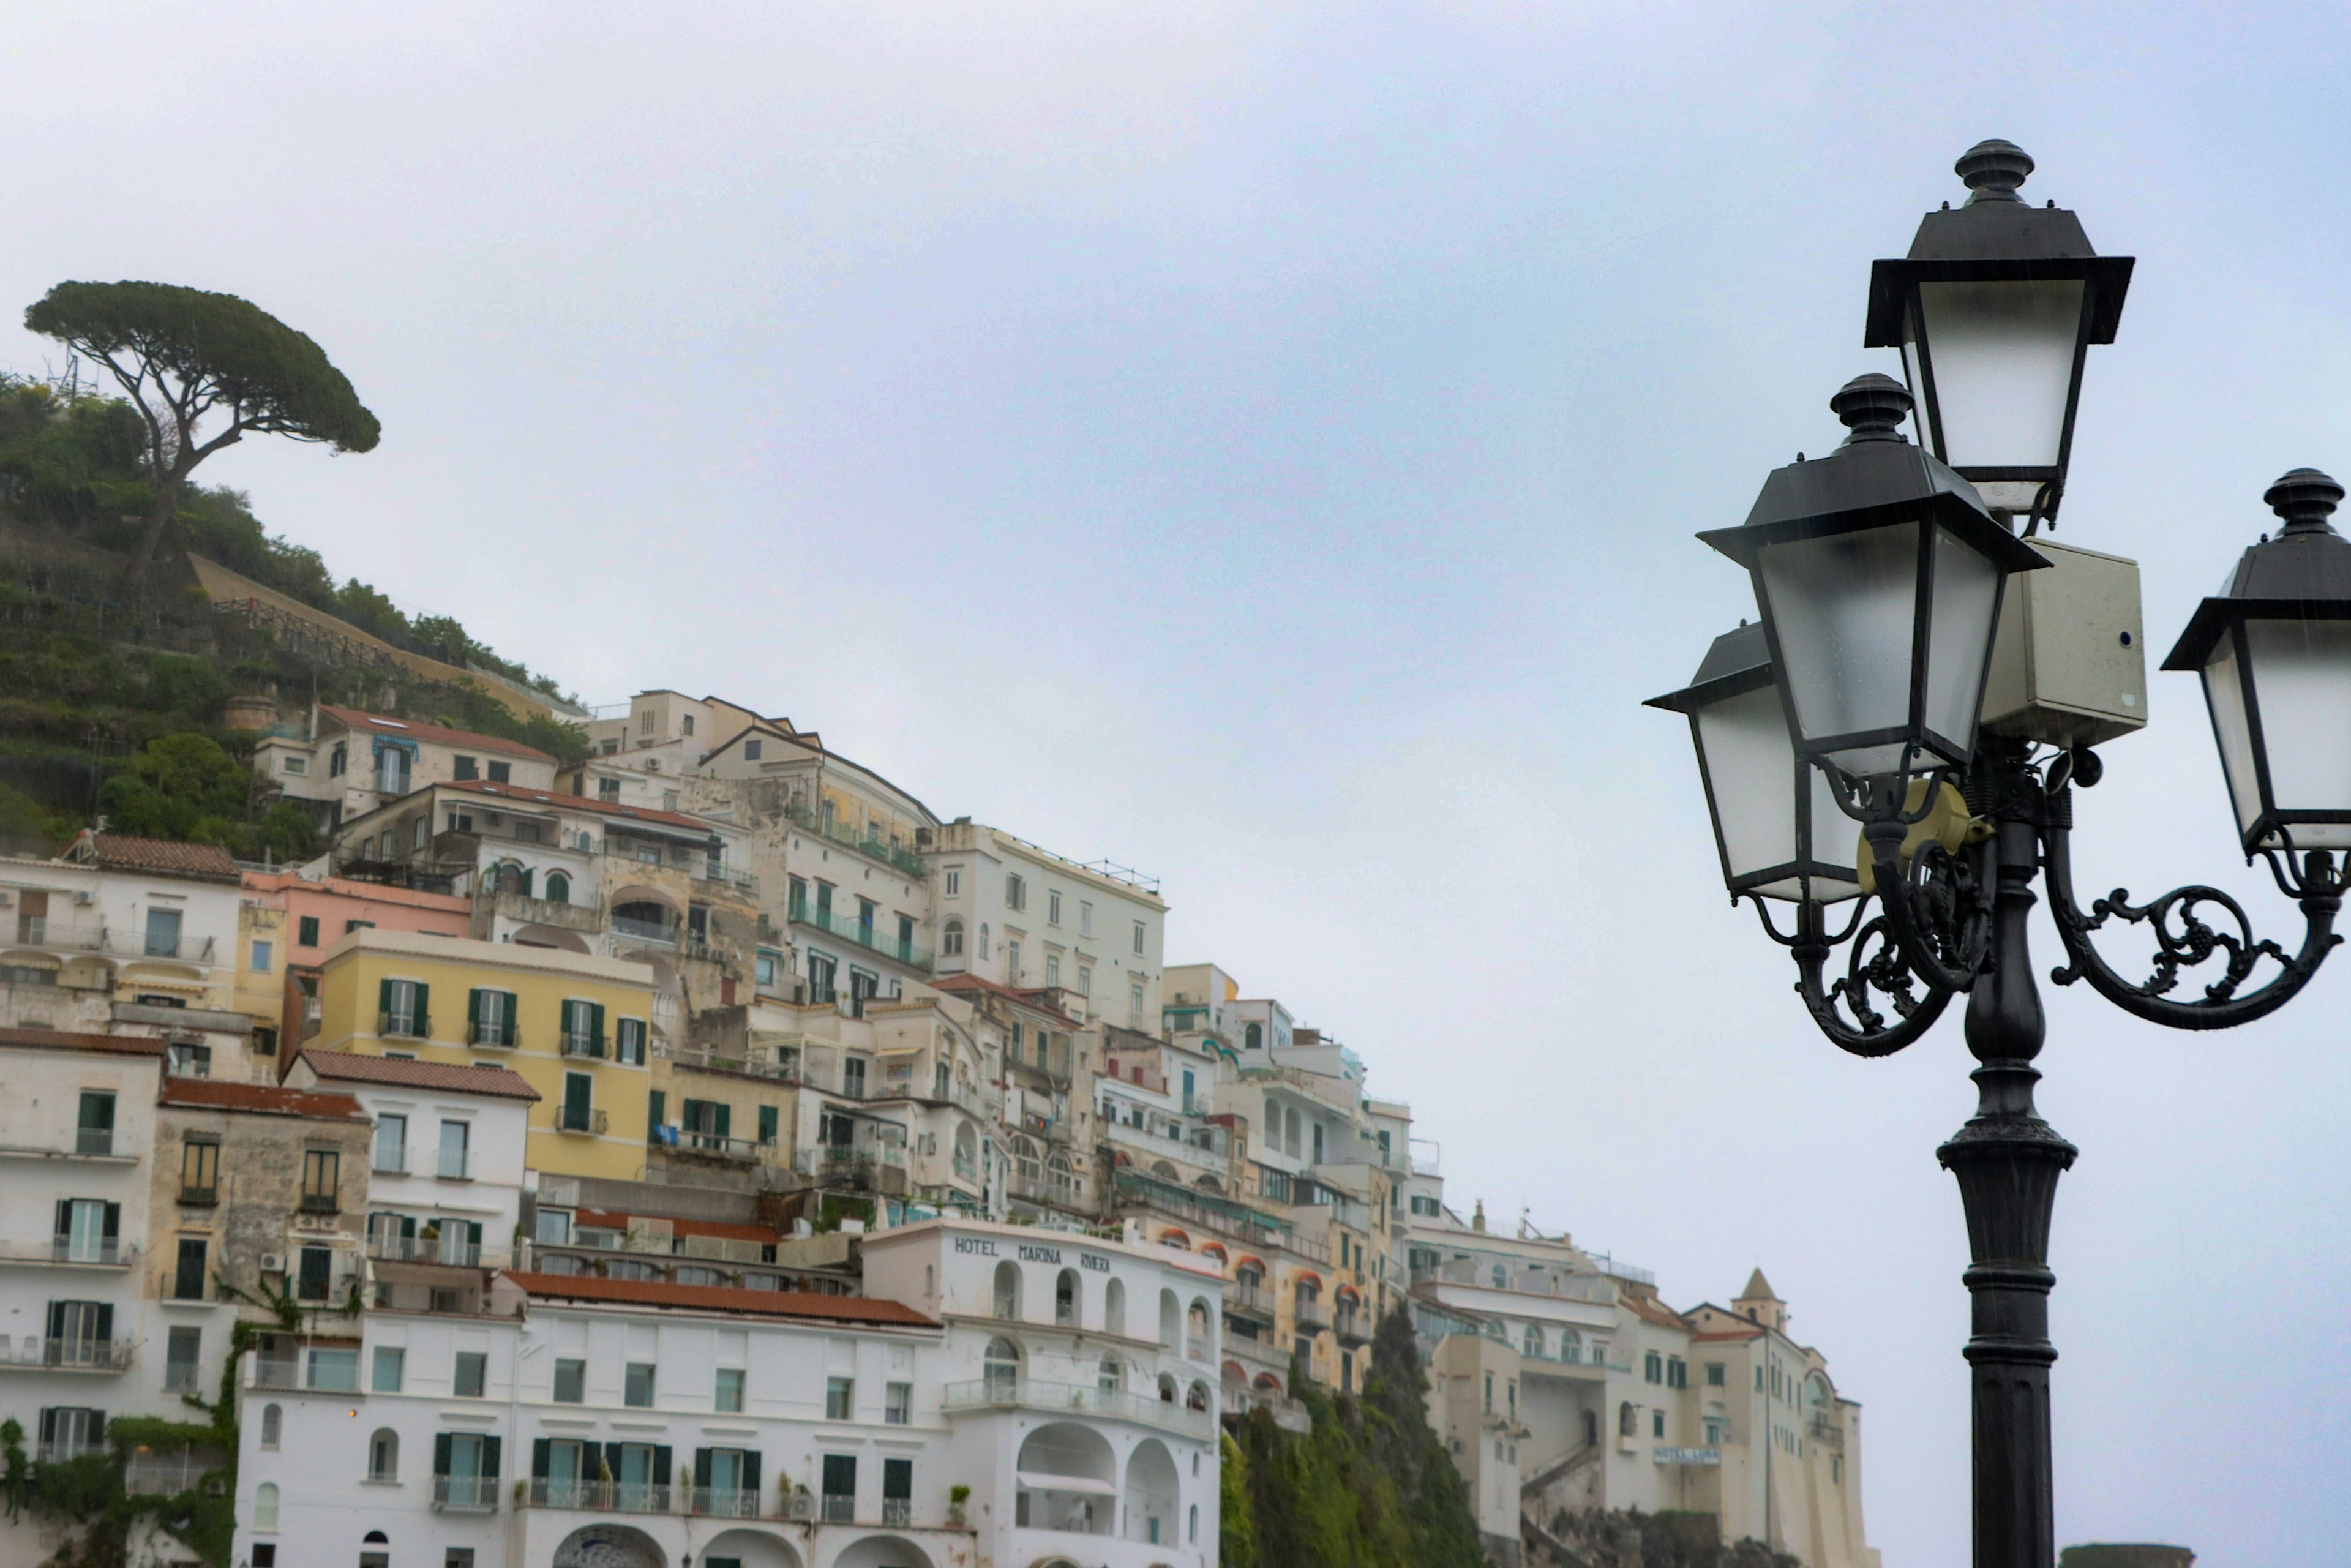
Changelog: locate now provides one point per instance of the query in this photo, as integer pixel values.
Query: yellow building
(579, 1029)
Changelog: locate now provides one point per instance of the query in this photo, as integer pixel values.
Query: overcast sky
(1263, 446)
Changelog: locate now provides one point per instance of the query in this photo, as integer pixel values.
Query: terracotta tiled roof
(219, 1094)
(1653, 1311)
(951, 983)
(350, 1067)
(1758, 1289)
(118, 852)
(521, 796)
(54, 1039)
(378, 724)
(722, 1299)
(613, 1219)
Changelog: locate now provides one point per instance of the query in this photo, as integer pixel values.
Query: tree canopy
(185, 355)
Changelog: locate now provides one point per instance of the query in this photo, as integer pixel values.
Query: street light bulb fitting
(1993, 169)
(1872, 407)
(2304, 498)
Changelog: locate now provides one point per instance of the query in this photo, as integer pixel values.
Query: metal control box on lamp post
(1885, 575)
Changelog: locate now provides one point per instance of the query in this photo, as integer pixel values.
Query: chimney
(1477, 1220)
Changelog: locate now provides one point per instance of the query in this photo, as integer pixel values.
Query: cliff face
(1597, 1538)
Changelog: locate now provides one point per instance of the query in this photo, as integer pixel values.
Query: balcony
(465, 1494)
(66, 1252)
(1202, 1210)
(31, 1353)
(839, 1508)
(1288, 1413)
(590, 1047)
(639, 930)
(785, 1069)
(86, 1144)
(586, 918)
(898, 858)
(1310, 1318)
(199, 1198)
(1058, 1398)
(1245, 1300)
(455, 1164)
(898, 1511)
(1351, 1327)
(713, 1145)
(865, 934)
(719, 1502)
(592, 1122)
(320, 1203)
(191, 1287)
(390, 1162)
(502, 1034)
(451, 1250)
(40, 931)
(66, 1453)
(148, 1474)
(404, 1026)
(603, 1497)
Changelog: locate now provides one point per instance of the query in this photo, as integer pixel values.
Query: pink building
(288, 922)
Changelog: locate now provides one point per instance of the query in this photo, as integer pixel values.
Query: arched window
(966, 1151)
(383, 1455)
(1196, 1396)
(951, 939)
(930, 1280)
(1114, 1308)
(1171, 1321)
(1196, 1332)
(559, 888)
(1001, 1369)
(1065, 1299)
(264, 1506)
(272, 1421)
(1253, 1036)
(1532, 1348)
(1167, 1388)
(983, 941)
(643, 917)
(1502, 1277)
(1112, 1377)
(1571, 1345)
(1008, 1290)
(1627, 1424)
(1192, 1527)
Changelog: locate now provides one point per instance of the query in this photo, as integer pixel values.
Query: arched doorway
(746, 1549)
(609, 1546)
(882, 1552)
(1068, 1479)
(1151, 1489)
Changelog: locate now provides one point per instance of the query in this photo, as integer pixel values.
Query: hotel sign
(1689, 1456)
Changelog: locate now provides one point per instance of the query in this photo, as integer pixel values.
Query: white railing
(465, 1494)
(1026, 1394)
(32, 1351)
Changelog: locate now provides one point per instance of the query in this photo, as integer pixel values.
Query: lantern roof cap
(2302, 572)
(1996, 236)
(1877, 477)
(1738, 662)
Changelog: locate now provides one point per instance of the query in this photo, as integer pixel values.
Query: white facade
(115, 932)
(344, 763)
(1025, 917)
(77, 1136)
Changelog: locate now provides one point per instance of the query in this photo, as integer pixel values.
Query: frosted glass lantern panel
(1750, 770)
(2002, 354)
(2224, 693)
(1966, 610)
(2302, 681)
(1842, 607)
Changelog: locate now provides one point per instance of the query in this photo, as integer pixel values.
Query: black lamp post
(1878, 572)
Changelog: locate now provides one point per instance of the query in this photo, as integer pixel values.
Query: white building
(344, 763)
(638, 1425)
(1025, 917)
(118, 923)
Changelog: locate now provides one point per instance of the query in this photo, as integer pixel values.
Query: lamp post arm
(1937, 908)
(2183, 940)
(1875, 963)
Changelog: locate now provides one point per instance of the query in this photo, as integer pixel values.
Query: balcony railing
(720, 1502)
(1310, 1318)
(586, 1045)
(319, 1202)
(839, 1508)
(899, 857)
(40, 931)
(785, 1069)
(868, 935)
(455, 1164)
(1349, 1328)
(465, 1494)
(166, 1475)
(595, 1122)
(33, 1353)
(643, 930)
(66, 1453)
(404, 1026)
(391, 1162)
(87, 1253)
(199, 1196)
(1026, 1394)
(502, 1033)
(601, 1496)
(1250, 1301)
(449, 1250)
(898, 1511)
(717, 1146)
(190, 1286)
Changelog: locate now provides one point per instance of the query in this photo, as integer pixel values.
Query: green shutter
(596, 1025)
(539, 1457)
(656, 1106)
(472, 1011)
(767, 1123)
(702, 1467)
(576, 1088)
(725, 1118)
(384, 995)
(424, 1008)
(661, 1465)
(490, 1446)
(751, 1471)
(508, 1029)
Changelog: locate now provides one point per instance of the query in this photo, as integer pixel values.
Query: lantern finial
(1993, 169)
(2304, 498)
(1871, 407)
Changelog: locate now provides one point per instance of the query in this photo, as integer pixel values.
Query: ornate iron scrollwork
(2185, 941)
(1843, 1008)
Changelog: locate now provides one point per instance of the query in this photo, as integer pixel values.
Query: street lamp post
(1879, 571)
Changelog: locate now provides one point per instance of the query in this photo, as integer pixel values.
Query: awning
(1036, 1481)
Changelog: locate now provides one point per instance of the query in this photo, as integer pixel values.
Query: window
(384, 1456)
(473, 1368)
(839, 1398)
(1714, 1377)
(265, 1505)
(629, 1042)
(162, 934)
(462, 768)
(686, 724)
(1676, 1372)
(583, 1029)
(305, 931)
(1653, 1367)
(751, 750)
(645, 722)
(898, 1404)
(403, 1007)
(982, 948)
(1138, 938)
(840, 1488)
(391, 1369)
(1423, 1205)
(391, 1144)
(182, 1352)
(1008, 1290)
(313, 1271)
(559, 888)
(261, 957)
(272, 1423)
(571, 1381)
(728, 1397)
(771, 1125)
(296, 766)
(264, 1041)
(1016, 891)
(953, 882)
(897, 1491)
(607, 789)
(1052, 968)
(501, 773)
(490, 1018)
(94, 1127)
(456, 1152)
(1135, 1004)
(199, 1172)
(1085, 917)
(1085, 979)
(1656, 1423)
(638, 1390)
(321, 1178)
(1013, 960)
(1053, 907)
(1000, 1369)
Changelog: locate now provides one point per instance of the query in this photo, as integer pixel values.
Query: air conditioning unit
(273, 1263)
(653, 764)
(85, 898)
